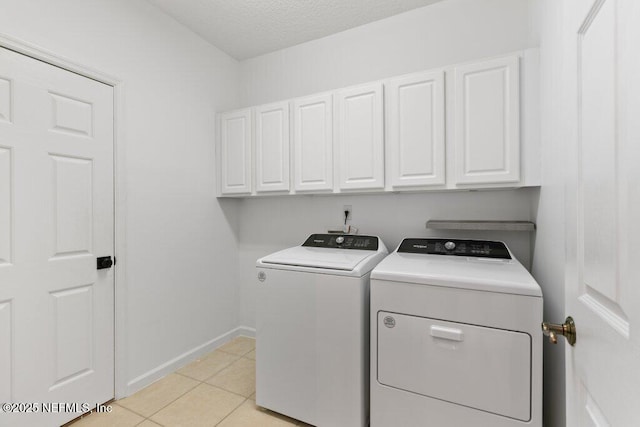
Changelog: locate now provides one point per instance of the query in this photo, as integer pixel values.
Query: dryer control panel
(342, 241)
(456, 247)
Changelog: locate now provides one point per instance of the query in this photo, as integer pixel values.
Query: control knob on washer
(449, 246)
(340, 240)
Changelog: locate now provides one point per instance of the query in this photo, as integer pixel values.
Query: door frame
(119, 188)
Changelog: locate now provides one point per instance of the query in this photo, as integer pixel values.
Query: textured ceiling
(248, 28)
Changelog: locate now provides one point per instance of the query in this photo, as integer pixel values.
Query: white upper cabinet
(235, 152)
(487, 122)
(272, 147)
(313, 143)
(360, 138)
(468, 126)
(415, 114)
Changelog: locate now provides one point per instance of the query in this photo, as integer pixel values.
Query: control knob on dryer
(449, 246)
(340, 240)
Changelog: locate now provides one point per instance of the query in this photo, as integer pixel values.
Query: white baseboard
(176, 363)
(245, 331)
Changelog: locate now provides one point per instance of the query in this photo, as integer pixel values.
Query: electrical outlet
(350, 209)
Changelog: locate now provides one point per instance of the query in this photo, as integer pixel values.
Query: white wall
(441, 34)
(549, 246)
(180, 276)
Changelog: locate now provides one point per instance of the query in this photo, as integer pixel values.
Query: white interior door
(56, 217)
(603, 215)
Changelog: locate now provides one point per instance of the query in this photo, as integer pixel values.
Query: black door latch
(105, 262)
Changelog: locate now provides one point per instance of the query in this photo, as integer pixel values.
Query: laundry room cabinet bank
(466, 126)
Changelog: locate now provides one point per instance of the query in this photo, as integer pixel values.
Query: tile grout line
(212, 375)
(228, 391)
(200, 383)
(241, 356)
(192, 388)
(222, 369)
(228, 352)
(149, 417)
(232, 411)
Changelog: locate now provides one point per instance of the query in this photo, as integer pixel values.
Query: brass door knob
(567, 330)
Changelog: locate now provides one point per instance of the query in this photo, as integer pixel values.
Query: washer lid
(325, 258)
(482, 274)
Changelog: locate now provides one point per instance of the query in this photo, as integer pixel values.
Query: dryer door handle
(452, 334)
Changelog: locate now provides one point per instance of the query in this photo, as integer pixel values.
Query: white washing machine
(312, 335)
(455, 337)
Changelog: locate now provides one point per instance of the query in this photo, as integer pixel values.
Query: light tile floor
(215, 390)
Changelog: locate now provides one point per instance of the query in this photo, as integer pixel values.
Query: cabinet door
(312, 143)
(359, 137)
(272, 147)
(486, 122)
(235, 152)
(415, 137)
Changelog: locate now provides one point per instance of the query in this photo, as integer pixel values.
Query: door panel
(416, 137)
(71, 116)
(359, 137)
(598, 136)
(6, 206)
(272, 147)
(235, 152)
(73, 213)
(602, 211)
(592, 415)
(6, 351)
(5, 100)
(72, 328)
(57, 215)
(313, 143)
(487, 122)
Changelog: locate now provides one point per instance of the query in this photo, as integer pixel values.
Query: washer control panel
(456, 247)
(342, 241)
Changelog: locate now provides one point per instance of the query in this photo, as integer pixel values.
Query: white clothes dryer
(455, 337)
(312, 335)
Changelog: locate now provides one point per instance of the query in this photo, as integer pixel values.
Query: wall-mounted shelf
(481, 225)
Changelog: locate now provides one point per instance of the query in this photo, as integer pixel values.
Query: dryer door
(483, 368)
